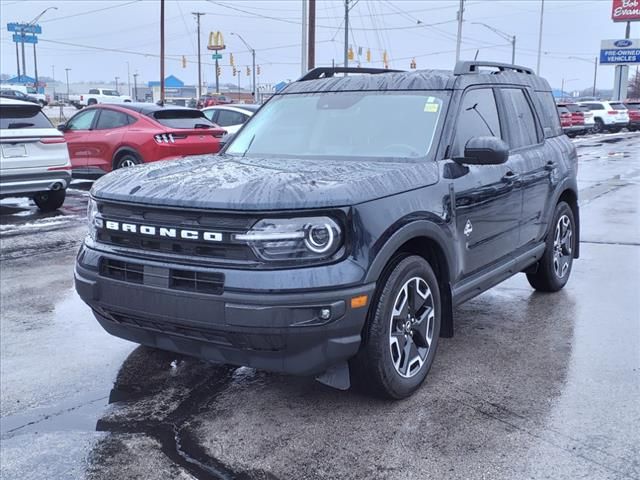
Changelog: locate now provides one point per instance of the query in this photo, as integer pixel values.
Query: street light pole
(540, 37)
(198, 15)
(135, 87)
(117, 83)
(459, 35)
(35, 58)
(162, 52)
(595, 70)
(53, 80)
(67, 73)
(506, 36)
(253, 58)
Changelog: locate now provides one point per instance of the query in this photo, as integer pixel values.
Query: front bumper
(275, 331)
(26, 183)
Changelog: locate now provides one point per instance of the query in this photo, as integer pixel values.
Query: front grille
(227, 250)
(194, 281)
(123, 271)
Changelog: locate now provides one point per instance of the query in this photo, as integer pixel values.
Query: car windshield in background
(617, 106)
(344, 124)
(22, 116)
(182, 119)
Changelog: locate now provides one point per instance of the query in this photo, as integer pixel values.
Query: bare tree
(634, 85)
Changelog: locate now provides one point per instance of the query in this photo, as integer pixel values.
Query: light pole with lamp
(595, 70)
(35, 58)
(135, 87)
(66, 70)
(253, 57)
(566, 81)
(506, 36)
(117, 78)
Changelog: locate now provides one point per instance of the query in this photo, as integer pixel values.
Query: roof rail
(468, 67)
(328, 72)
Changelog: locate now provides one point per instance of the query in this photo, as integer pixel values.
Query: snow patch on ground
(44, 223)
(23, 202)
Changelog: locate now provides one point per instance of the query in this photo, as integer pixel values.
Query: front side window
(111, 119)
(82, 121)
(521, 122)
(478, 117)
(364, 124)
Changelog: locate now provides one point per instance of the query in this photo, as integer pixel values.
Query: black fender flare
(568, 184)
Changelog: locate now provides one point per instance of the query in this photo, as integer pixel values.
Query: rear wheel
(127, 160)
(555, 265)
(402, 334)
(598, 126)
(50, 200)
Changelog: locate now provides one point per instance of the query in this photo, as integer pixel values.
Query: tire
(382, 365)
(50, 200)
(127, 159)
(598, 126)
(554, 268)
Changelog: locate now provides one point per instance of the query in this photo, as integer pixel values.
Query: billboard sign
(19, 38)
(623, 51)
(24, 28)
(625, 10)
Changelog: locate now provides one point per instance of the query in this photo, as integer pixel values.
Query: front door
(78, 136)
(488, 198)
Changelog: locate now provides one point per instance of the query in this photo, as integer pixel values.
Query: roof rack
(468, 67)
(328, 72)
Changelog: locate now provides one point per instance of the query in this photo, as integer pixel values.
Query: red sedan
(105, 137)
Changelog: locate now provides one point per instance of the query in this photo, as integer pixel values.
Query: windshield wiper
(249, 146)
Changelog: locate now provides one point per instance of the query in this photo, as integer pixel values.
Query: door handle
(510, 177)
(551, 165)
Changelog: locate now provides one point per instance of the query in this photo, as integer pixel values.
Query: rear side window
(595, 106)
(548, 114)
(23, 116)
(111, 119)
(94, 91)
(633, 106)
(478, 117)
(229, 117)
(182, 118)
(520, 120)
(617, 106)
(573, 107)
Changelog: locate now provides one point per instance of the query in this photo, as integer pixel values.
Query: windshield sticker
(431, 107)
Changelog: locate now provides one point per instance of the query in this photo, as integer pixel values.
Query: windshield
(388, 124)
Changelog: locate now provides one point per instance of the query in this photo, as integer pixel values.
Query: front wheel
(402, 334)
(50, 200)
(555, 265)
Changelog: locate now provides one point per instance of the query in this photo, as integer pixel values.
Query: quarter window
(111, 119)
(478, 117)
(523, 130)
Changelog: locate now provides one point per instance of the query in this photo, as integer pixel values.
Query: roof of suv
(464, 75)
(15, 101)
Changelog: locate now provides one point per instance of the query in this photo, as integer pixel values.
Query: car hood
(226, 182)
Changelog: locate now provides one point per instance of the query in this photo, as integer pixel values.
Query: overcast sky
(273, 28)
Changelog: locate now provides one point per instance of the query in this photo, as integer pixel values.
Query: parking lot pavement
(531, 385)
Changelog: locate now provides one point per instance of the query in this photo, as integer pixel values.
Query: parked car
(323, 241)
(212, 99)
(41, 98)
(589, 121)
(34, 159)
(102, 138)
(633, 107)
(230, 117)
(96, 96)
(18, 95)
(608, 116)
(577, 118)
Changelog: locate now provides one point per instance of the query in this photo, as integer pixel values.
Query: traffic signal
(413, 64)
(350, 54)
(385, 58)
(231, 60)
(248, 71)
(258, 69)
(218, 70)
(235, 72)
(184, 61)
(368, 54)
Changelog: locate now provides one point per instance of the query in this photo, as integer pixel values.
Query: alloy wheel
(127, 162)
(411, 327)
(562, 246)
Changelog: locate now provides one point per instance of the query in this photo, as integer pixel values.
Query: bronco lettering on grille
(165, 232)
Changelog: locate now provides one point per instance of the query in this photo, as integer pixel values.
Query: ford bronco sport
(341, 226)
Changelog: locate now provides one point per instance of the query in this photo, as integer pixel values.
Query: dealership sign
(622, 51)
(625, 10)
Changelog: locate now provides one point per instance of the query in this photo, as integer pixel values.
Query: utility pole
(67, 73)
(128, 79)
(198, 15)
(162, 52)
(540, 37)
(53, 80)
(595, 75)
(346, 33)
(117, 78)
(459, 36)
(35, 65)
(135, 87)
(253, 57)
(303, 52)
(312, 35)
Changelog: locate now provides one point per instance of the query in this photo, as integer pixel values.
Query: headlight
(92, 212)
(282, 239)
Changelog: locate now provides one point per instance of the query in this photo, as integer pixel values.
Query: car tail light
(612, 112)
(164, 138)
(53, 140)
(81, 97)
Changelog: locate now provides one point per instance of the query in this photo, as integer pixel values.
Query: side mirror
(62, 127)
(484, 151)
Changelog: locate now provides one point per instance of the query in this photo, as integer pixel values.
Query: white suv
(34, 158)
(608, 116)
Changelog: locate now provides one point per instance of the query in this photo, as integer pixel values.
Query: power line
(89, 11)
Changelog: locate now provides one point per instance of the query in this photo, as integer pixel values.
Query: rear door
(531, 161)
(488, 199)
(78, 135)
(28, 139)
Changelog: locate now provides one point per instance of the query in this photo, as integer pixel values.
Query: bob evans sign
(623, 51)
(625, 10)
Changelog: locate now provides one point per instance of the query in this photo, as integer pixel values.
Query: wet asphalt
(532, 386)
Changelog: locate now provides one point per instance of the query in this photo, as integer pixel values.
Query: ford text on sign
(625, 10)
(622, 51)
